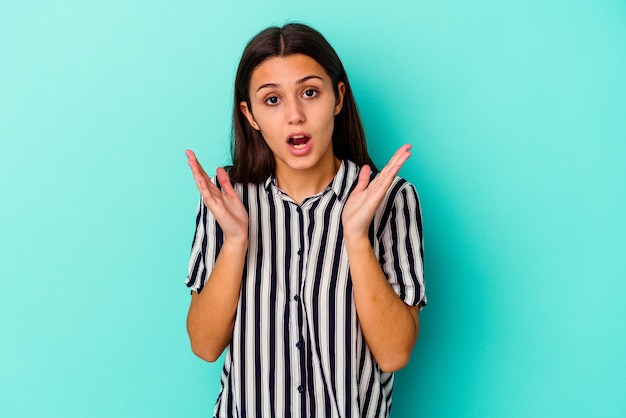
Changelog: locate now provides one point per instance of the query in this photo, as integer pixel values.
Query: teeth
(298, 141)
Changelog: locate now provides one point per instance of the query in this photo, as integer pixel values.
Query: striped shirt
(297, 348)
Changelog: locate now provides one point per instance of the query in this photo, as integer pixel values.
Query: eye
(272, 100)
(310, 93)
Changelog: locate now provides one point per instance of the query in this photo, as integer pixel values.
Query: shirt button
(299, 344)
(296, 298)
(300, 251)
(300, 389)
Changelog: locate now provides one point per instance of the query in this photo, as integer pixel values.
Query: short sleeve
(207, 241)
(400, 243)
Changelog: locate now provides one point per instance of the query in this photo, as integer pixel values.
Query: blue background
(517, 116)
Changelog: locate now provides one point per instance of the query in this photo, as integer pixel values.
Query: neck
(300, 184)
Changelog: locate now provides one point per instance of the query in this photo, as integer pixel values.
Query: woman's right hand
(225, 204)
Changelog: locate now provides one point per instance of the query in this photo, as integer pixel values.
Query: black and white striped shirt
(297, 348)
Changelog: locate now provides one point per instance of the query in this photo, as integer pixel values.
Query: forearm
(211, 316)
(390, 326)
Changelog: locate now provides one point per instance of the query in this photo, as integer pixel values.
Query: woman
(306, 265)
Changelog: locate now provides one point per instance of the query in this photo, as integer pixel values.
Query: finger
(203, 182)
(191, 157)
(224, 180)
(200, 176)
(364, 177)
(401, 155)
(195, 165)
(386, 177)
(397, 160)
(193, 162)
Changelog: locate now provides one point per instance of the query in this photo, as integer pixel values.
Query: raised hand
(224, 204)
(367, 196)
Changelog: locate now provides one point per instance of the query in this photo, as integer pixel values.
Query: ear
(243, 106)
(341, 91)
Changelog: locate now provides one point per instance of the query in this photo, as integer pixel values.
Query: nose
(295, 112)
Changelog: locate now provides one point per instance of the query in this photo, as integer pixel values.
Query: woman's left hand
(367, 196)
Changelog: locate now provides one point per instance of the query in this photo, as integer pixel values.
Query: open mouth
(298, 141)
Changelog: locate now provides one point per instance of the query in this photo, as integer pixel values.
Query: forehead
(286, 70)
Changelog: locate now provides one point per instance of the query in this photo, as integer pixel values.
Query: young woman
(306, 265)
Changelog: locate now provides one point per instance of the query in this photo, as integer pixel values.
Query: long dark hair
(253, 160)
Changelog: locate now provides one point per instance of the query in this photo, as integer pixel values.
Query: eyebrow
(301, 81)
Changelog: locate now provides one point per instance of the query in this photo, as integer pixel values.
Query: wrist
(235, 245)
(356, 241)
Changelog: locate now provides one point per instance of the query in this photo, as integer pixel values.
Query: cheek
(330, 118)
(270, 130)
(262, 121)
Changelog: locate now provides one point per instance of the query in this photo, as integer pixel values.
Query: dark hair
(253, 161)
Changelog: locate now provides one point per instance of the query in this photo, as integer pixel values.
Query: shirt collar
(341, 184)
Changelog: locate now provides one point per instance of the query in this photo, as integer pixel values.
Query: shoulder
(243, 187)
(401, 190)
(401, 204)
